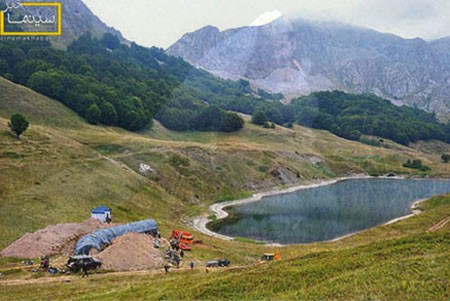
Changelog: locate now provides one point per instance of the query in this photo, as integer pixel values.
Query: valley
(63, 167)
(290, 159)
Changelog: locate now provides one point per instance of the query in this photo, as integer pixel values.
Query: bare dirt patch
(129, 252)
(54, 239)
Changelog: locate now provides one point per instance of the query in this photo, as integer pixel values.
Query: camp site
(98, 243)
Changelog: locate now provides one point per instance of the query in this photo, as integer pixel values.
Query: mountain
(297, 57)
(77, 20)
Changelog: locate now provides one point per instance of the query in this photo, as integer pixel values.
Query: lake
(327, 212)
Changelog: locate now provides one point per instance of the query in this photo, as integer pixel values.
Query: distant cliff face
(298, 57)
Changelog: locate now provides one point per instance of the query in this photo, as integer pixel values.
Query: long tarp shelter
(100, 239)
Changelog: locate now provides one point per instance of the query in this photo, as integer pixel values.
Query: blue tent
(100, 239)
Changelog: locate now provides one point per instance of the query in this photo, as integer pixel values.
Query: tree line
(113, 84)
(351, 116)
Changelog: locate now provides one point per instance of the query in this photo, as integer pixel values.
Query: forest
(351, 116)
(113, 84)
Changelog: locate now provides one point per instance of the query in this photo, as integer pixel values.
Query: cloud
(266, 18)
(428, 19)
(162, 23)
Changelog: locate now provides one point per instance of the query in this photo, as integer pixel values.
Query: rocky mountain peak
(297, 57)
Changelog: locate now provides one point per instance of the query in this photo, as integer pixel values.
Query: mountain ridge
(297, 57)
(77, 19)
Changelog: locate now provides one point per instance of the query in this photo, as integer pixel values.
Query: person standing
(45, 263)
(191, 264)
(108, 219)
(167, 267)
(84, 269)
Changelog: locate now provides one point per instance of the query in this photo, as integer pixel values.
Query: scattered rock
(145, 169)
(314, 159)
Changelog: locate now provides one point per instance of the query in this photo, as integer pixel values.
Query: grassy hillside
(402, 261)
(38, 108)
(63, 167)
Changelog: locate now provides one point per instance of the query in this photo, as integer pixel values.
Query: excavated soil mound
(131, 251)
(52, 240)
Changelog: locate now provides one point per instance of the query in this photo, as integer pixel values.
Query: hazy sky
(163, 22)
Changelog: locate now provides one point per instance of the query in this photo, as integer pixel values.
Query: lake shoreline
(200, 223)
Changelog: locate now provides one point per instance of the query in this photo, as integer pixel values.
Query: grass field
(63, 167)
(402, 261)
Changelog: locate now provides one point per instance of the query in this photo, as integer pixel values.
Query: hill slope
(44, 111)
(114, 84)
(297, 57)
(395, 262)
(64, 167)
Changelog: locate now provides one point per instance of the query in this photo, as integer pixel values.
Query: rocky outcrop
(296, 57)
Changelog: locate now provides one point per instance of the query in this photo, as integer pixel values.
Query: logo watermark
(28, 19)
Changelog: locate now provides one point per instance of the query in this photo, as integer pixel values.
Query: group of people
(174, 255)
(174, 244)
(177, 260)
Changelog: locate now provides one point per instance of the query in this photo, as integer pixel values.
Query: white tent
(101, 213)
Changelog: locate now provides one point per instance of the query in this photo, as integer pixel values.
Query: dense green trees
(416, 164)
(350, 116)
(177, 120)
(269, 96)
(209, 118)
(231, 123)
(110, 41)
(93, 114)
(269, 112)
(18, 124)
(259, 117)
(127, 86)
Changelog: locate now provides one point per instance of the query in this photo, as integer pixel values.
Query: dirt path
(77, 277)
(440, 225)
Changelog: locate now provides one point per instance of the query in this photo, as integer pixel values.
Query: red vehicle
(183, 237)
(185, 247)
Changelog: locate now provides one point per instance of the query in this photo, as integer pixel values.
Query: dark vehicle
(83, 263)
(218, 263)
(268, 257)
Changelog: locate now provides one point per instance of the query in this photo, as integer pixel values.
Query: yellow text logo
(30, 24)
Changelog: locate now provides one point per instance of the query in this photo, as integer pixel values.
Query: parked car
(218, 263)
(268, 257)
(82, 262)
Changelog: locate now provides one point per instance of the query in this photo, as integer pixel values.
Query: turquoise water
(327, 212)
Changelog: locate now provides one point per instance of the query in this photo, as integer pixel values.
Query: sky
(162, 22)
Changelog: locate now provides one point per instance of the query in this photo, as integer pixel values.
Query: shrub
(416, 164)
(18, 124)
